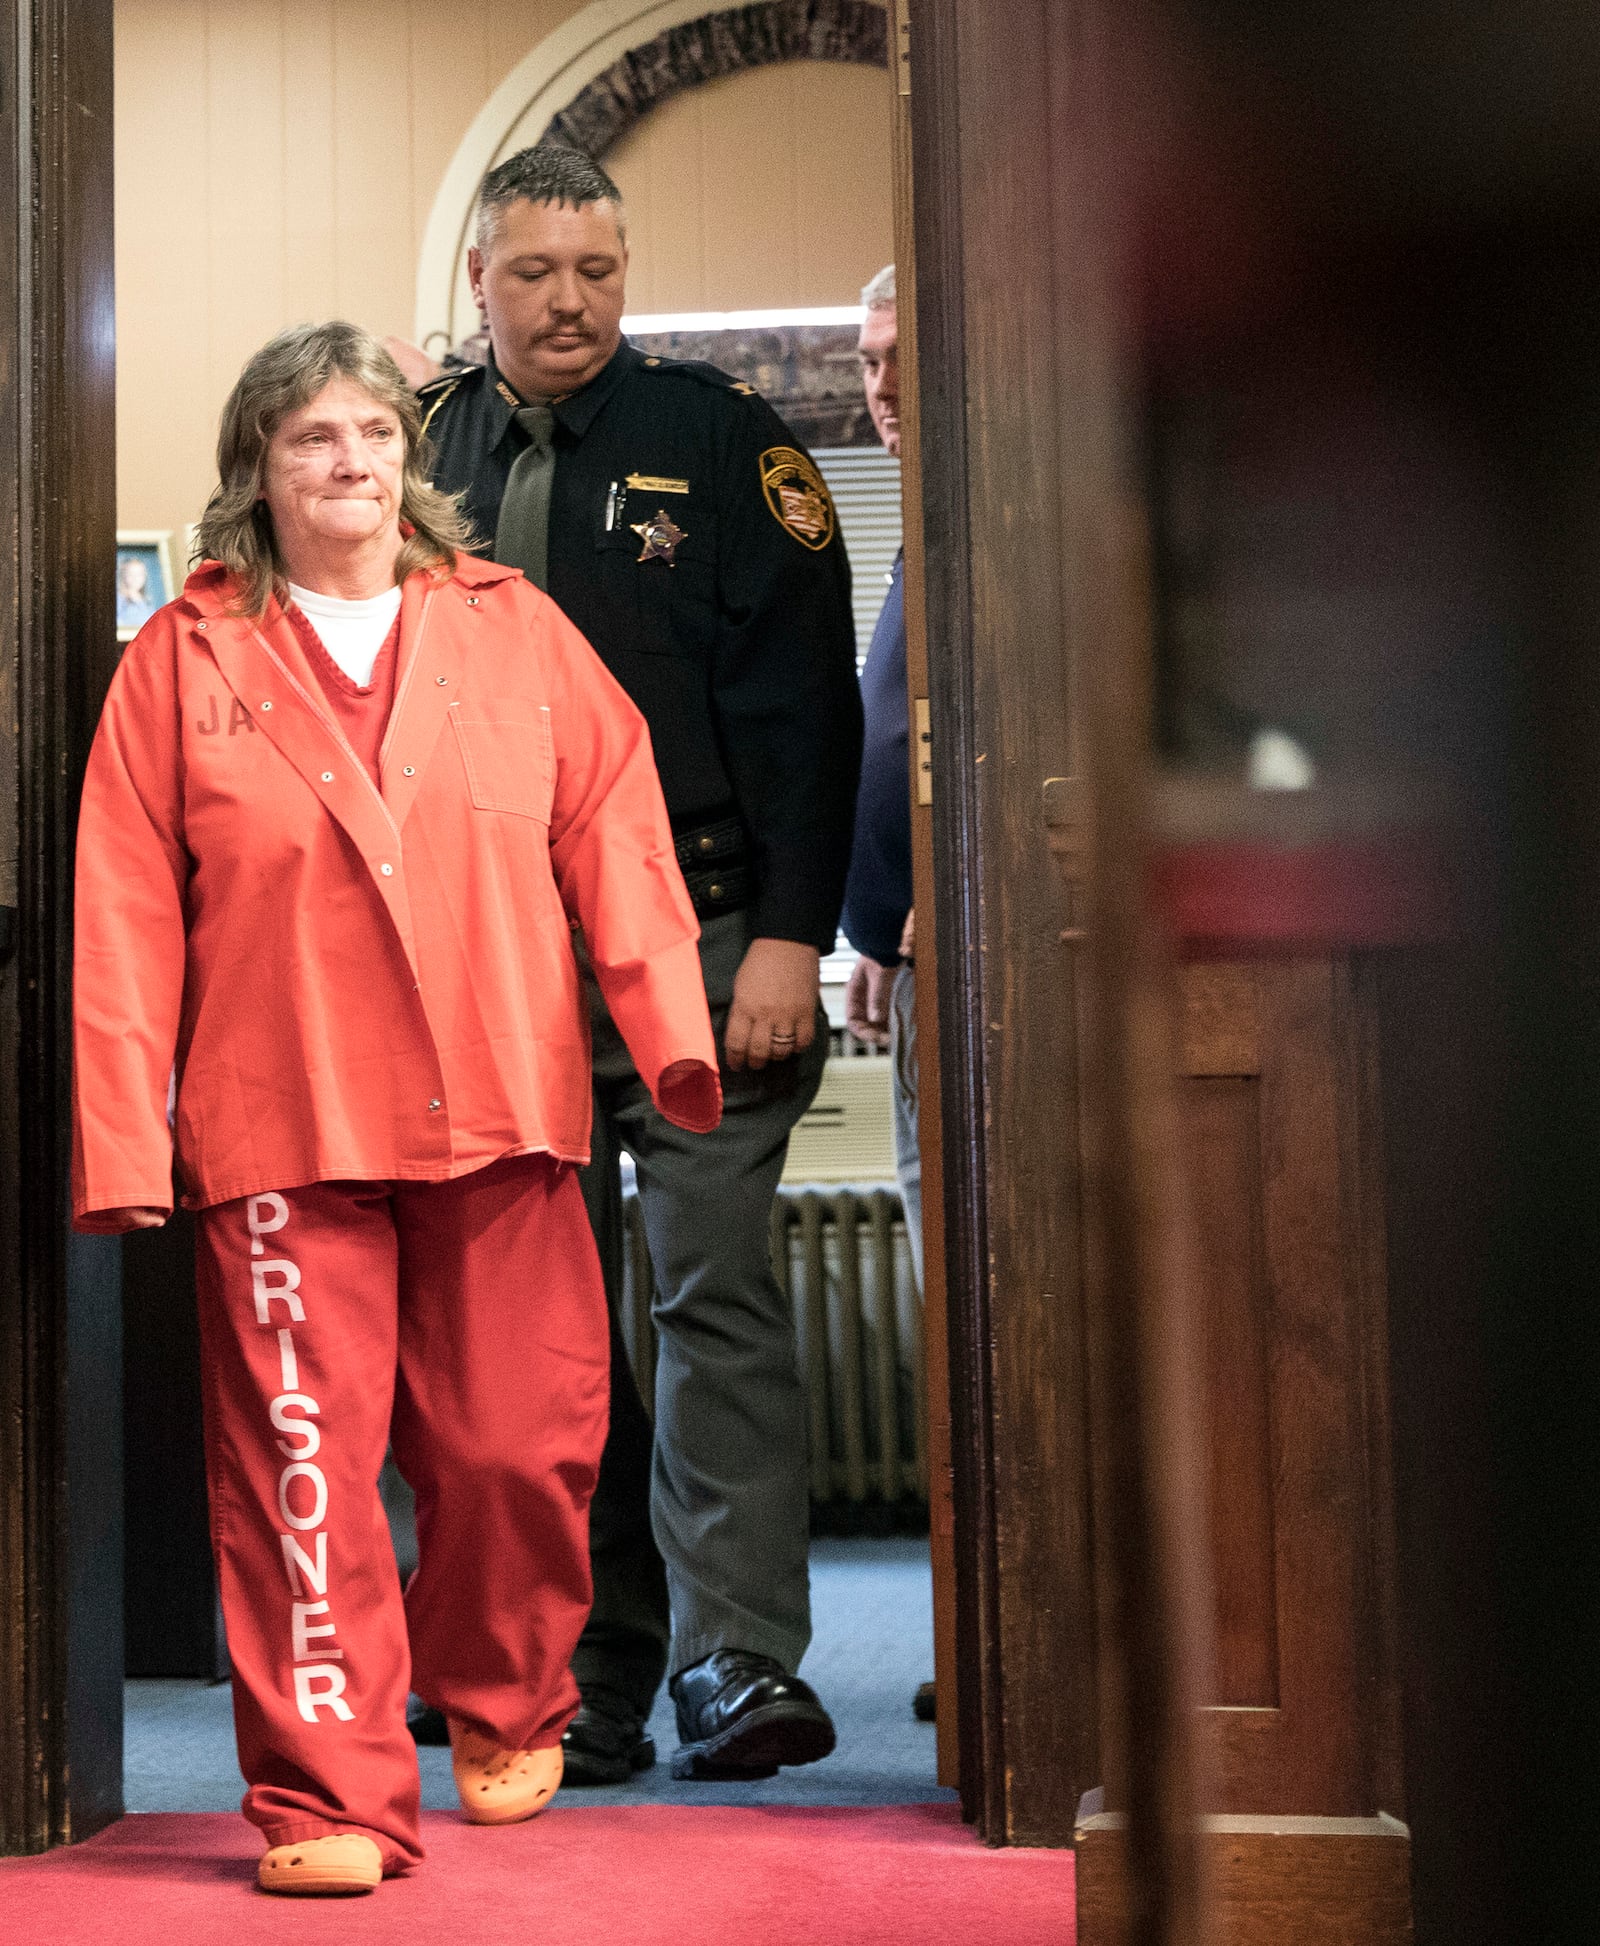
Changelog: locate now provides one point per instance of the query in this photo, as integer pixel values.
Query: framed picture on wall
(145, 578)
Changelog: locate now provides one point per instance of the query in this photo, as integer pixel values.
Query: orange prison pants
(465, 1322)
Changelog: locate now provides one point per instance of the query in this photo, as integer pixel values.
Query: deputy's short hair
(549, 172)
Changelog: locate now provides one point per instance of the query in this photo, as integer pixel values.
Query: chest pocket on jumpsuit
(508, 753)
(673, 603)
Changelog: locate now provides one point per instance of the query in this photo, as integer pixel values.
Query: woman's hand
(773, 1014)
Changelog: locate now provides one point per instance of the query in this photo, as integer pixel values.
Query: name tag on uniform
(648, 483)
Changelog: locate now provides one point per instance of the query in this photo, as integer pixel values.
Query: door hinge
(1066, 820)
(902, 45)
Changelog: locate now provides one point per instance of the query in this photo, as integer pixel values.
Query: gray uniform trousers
(708, 1522)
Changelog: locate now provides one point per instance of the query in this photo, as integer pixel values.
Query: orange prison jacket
(355, 982)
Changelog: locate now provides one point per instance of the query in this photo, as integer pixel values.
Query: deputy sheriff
(679, 523)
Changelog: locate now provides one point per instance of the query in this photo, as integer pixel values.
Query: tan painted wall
(277, 159)
(759, 189)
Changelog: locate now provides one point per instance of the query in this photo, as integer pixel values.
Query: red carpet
(653, 1876)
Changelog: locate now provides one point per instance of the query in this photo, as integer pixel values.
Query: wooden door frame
(936, 1347)
(1003, 729)
(996, 588)
(60, 1310)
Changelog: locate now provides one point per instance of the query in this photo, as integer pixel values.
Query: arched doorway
(772, 63)
(596, 79)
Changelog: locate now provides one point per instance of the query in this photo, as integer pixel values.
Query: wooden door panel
(1220, 1027)
(1221, 1124)
(1263, 1120)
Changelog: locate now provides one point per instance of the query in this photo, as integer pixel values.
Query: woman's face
(333, 473)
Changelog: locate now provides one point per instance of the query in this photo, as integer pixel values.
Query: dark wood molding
(947, 594)
(936, 1334)
(999, 700)
(60, 1423)
(1361, 1144)
(730, 41)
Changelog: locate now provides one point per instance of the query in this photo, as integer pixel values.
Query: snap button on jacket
(355, 983)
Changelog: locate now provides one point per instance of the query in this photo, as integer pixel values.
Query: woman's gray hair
(285, 374)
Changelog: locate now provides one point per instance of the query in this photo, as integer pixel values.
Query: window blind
(865, 484)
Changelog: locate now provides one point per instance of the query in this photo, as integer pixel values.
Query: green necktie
(522, 535)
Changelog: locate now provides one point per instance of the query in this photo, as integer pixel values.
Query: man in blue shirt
(880, 1001)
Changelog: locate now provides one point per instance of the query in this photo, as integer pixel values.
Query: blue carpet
(873, 1617)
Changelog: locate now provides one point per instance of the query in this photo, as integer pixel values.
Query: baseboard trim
(1312, 1881)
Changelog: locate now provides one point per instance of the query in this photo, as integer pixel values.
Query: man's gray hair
(879, 294)
(286, 373)
(549, 172)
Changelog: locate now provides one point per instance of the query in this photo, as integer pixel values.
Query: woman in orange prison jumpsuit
(331, 894)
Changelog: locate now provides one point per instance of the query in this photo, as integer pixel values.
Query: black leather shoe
(742, 1715)
(605, 1742)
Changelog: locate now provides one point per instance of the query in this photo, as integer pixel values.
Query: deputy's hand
(866, 1001)
(908, 936)
(773, 1013)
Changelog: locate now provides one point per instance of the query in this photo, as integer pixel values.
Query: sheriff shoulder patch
(799, 499)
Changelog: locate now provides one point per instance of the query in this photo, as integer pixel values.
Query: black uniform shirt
(739, 649)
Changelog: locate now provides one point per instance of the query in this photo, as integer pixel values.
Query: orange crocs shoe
(331, 1867)
(502, 1786)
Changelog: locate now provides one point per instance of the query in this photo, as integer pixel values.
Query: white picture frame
(146, 579)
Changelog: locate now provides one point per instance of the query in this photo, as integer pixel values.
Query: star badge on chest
(661, 537)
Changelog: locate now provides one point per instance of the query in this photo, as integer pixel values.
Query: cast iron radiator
(842, 1257)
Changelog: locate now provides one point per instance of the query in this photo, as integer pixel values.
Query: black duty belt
(715, 861)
